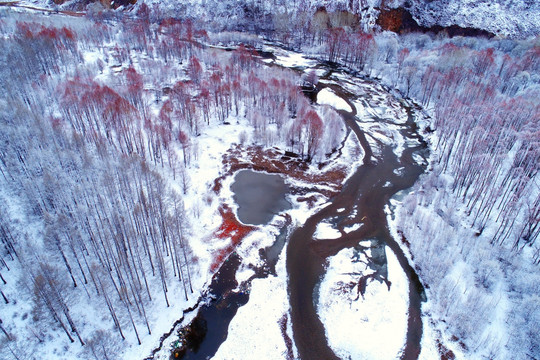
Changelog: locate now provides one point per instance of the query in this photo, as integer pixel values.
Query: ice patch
(419, 159)
(399, 171)
(290, 59)
(352, 228)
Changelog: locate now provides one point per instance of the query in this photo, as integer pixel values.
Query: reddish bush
(230, 228)
(31, 30)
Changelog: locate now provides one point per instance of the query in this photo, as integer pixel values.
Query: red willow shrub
(230, 228)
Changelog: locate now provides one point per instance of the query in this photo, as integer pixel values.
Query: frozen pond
(259, 196)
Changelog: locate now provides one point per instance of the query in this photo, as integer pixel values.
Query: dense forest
(105, 218)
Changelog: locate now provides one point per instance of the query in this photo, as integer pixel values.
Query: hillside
(505, 18)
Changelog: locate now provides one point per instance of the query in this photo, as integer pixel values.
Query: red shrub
(230, 228)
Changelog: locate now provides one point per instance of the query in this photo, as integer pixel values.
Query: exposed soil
(446, 354)
(400, 20)
(288, 341)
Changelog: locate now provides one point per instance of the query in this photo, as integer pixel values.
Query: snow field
(326, 231)
(289, 59)
(352, 154)
(327, 97)
(254, 333)
(373, 327)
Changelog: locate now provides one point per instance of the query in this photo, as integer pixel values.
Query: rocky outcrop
(400, 20)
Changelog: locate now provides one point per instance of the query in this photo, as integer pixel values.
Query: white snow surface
(352, 228)
(254, 333)
(326, 231)
(327, 97)
(373, 327)
(289, 58)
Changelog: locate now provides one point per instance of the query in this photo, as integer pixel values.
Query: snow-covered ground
(200, 204)
(326, 231)
(435, 332)
(379, 316)
(288, 58)
(327, 97)
(484, 290)
(255, 332)
(268, 300)
(372, 326)
(504, 18)
(518, 19)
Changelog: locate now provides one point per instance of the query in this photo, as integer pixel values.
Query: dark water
(259, 196)
(208, 330)
(364, 195)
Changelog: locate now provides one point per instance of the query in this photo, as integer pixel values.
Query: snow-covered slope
(505, 18)
(519, 19)
(508, 18)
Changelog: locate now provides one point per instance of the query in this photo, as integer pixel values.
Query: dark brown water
(364, 192)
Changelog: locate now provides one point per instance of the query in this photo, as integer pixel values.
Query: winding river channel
(362, 200)
(363, 197)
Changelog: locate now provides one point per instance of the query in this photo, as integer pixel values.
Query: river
(367, 191)
(362, 199)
